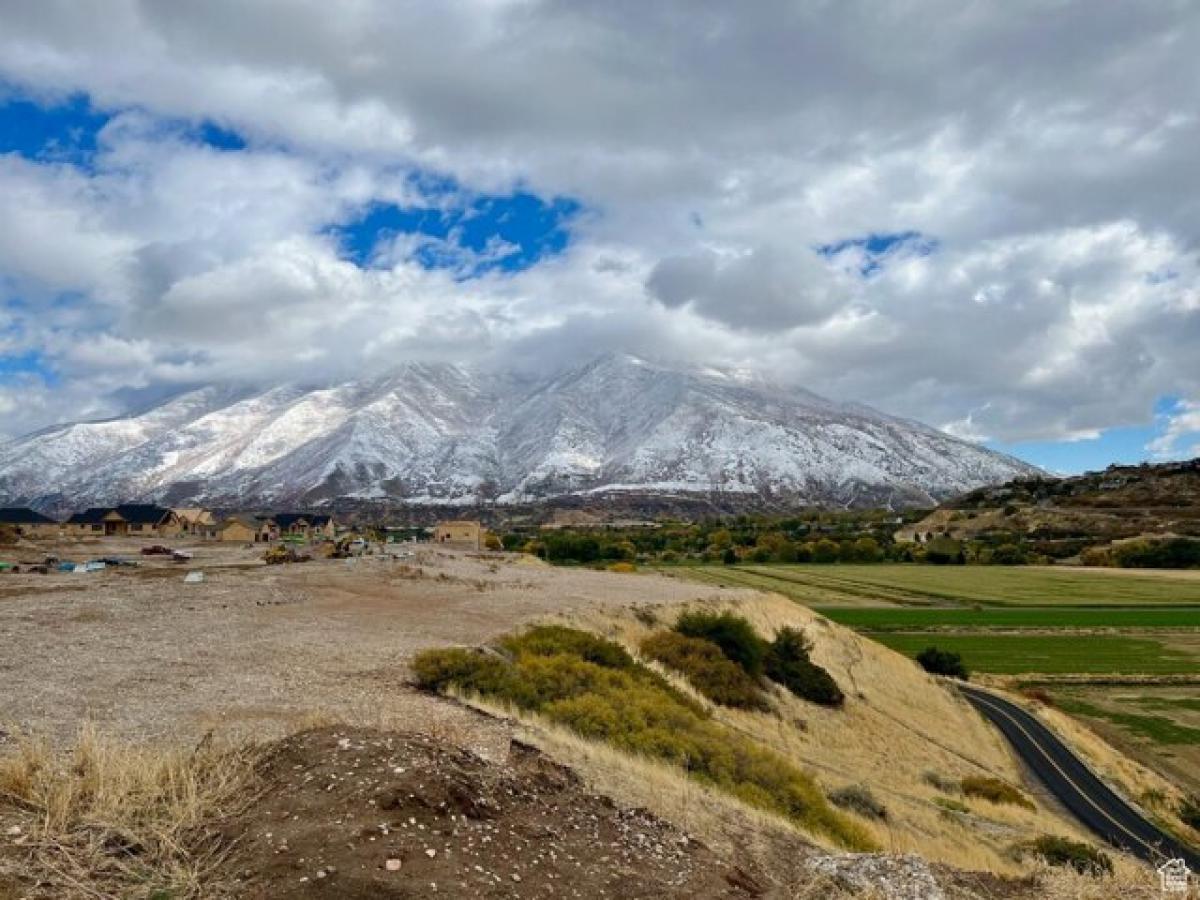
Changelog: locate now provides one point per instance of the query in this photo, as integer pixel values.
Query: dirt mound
(359, 813)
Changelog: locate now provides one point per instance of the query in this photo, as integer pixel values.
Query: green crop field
(919, 585)
(891, 618)
(1053, 654)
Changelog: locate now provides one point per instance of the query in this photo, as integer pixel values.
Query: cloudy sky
(982, 215)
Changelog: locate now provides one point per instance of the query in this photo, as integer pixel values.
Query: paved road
(1072, 782)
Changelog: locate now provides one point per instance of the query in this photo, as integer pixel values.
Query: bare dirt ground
(259, 651)
(364, 814)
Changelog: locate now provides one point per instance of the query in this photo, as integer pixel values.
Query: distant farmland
(1073, 632)
(918, 585)
(1053, 654)
(1031, 618)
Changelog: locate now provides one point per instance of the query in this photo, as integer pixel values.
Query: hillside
(1063, 517)
(444, 435)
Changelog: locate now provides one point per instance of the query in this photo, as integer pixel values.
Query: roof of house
(142, 513)
(251, 522)
(193, 514)
(93, 515)
(23, 515)
(136, 513)
(458, 523)
(287, 520)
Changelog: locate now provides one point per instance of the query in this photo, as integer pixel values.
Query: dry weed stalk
(115, 820)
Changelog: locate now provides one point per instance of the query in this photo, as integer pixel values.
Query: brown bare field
(257, 650)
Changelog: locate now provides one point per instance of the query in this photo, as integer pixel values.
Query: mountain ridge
(440, 433)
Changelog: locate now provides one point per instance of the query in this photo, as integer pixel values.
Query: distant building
(193, 519)
(125, 520)
(29, 522)
(465, 534)
(306, 526)
(238, 529)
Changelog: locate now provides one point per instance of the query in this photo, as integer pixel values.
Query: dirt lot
(258, 650)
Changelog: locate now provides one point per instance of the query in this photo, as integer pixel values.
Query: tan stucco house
(465, 534)
(30, 522)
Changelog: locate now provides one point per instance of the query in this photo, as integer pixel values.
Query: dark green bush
(734, 635)
(637, 711)
(787, 663)
(943, 662)
(859, 799)
(470, 670)
(993, 790)
(707, 669)
(1060, 851)
(1167, 553)
(1189, 811)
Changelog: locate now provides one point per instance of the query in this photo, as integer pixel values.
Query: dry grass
(1129, 881)
(898, 723)
(117, 820)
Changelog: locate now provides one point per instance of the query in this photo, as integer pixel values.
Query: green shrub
(1008, 555)
(547, 640)
(993, 790)
(787, 663)
(706, 668)
(1060, 851)
(943, 662)
(1189, 812)
(1164, 553)
(859, 799)
(940, 781)
(637, 711)
(950, 805)
(469, 670)
(734, 635)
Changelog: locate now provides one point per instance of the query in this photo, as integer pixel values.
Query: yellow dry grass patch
(114, 819)
(898, 723)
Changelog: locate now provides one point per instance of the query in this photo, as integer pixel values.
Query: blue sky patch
(1122, 446)
(59, 132)
(14, 365)
(506, 232)
(68, 130)
(875, 247)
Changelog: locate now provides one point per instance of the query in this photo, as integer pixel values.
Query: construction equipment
(278, 556)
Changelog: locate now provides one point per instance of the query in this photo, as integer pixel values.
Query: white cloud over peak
(1041, 157)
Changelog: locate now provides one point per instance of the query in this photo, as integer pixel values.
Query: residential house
(194, 520)
(125, 520)
(464, 534)
(29, 522)
(304, 526)
(238, 529)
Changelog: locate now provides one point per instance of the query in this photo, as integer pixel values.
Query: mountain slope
(444, 434)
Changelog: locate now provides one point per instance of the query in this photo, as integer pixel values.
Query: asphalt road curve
(1072, 782)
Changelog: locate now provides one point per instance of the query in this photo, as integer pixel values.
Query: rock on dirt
(895, 877)
(387, 815)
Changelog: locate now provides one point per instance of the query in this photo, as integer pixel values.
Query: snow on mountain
(443, 433)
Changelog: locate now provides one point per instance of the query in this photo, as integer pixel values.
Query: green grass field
(1159, 729)
(918, 585)
(892, 618)
(1053, 654)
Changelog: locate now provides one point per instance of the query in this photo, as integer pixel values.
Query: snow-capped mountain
(447, 434)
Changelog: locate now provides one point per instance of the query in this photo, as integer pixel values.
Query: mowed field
(916, 585)
(1119, 650)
